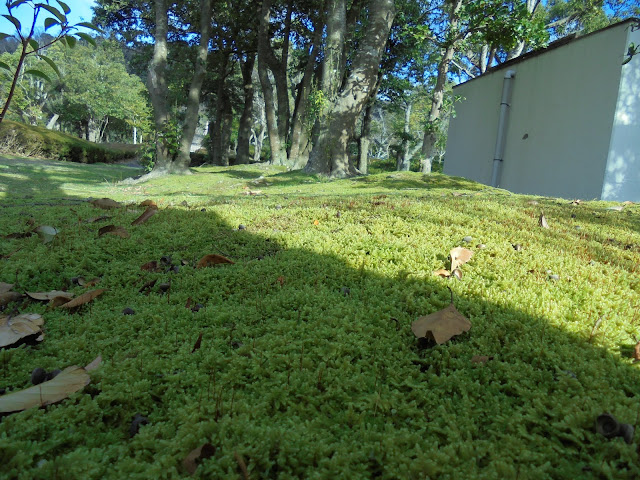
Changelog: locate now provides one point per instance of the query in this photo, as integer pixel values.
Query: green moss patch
(307, 366)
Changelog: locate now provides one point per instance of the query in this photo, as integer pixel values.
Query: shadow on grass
(307, 366)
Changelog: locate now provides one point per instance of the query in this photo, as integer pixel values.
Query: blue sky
(80, 12)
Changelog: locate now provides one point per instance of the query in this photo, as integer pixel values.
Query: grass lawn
(307, 366)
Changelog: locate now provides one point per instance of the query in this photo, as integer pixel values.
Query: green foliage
(20, 139)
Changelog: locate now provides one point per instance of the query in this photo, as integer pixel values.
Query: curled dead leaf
(147, 286)
(196, 346)
(70, 380)
(542, 221)
(84, 298)
(113, 230)
(151, 266)
(191, 461)
(8, 297)
(5, 287)
(148, 203)
(442, 273)
(459, 256)
(105, 203)
(46, 296)
(212, 259)
(148, 213)
(14, 329)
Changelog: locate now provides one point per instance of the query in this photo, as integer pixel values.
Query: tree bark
(298, 137)
(158, 90)
(244, 127)
(276, 140)
(329, 156)
(181, 164)
(431, 130)
(404, 158)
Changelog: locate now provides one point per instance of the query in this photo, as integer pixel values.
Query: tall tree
(344, 104)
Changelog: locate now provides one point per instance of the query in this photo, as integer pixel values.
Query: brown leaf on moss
(636, 352)
(84, 298)
(5, 287)
(441, 326)
(105, 203)
(46, 296)
(69, 381)
(113, 230)
(14, 329)
(148, 203)
(459, 256)
(8, 297)
(191, 461)
(481, 359)
(196, 346)
(97, 219)
(57, 301)
(91, 283)
(94, 364)
(148, 213)
(147, 286)
(151, 266)
(212, 259)
(442, 273)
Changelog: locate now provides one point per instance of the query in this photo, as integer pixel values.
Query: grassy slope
(308, 366)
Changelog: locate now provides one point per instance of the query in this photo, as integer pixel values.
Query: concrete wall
(561, 119)
(622, 176)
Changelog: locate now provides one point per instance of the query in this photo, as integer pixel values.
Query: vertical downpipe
(501, 138)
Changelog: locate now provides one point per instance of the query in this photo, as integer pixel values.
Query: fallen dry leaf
(57, 301)
(459, 256)
(46, 296)
(94, 364)
(5, 287)
(69, 381)
(148, 286)
(191, 461)
(442, 273)
(212, 259)
(105, 203)
(457, 273)
(148, 203)
(542, 221)
(197, 344)
(441, 326)
(151, 266)
(8, 297)
(316, 222)
(91, 283)
(14, 329)
(113, 230)
(46, 233)
(148, 213)
(481, 359)
(636, 352)
(84, 298)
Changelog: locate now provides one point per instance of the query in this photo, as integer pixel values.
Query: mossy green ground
(308, 367)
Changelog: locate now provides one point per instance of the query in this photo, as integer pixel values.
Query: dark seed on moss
(38, 376)
(137, 422)
(242, 227)
(128, 311)
(197, 307)
(164, 286)
(203, 209)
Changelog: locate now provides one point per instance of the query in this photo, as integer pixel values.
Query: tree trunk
(431, 130)
(181, 164)
(158, 90)
(215, 127)
(329, 156)
(244, 128)
(299, 138)
(404, 159)
(276, 141)
(225, 133)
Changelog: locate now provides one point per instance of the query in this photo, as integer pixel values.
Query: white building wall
(622, 176)
(560, 123)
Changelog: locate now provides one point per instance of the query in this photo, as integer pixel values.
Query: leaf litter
(442, 325)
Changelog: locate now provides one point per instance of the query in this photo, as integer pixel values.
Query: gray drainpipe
(501, 138)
